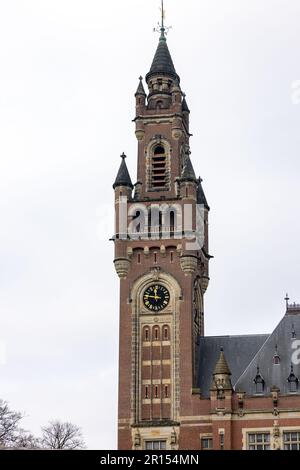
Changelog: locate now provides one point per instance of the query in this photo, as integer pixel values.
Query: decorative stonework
(204, 281)
(140, 134)
(177, 129)
(122, 267)
(188, 264)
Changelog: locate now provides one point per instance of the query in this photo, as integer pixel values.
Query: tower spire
(162, 27)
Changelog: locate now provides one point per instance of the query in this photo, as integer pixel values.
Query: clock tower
(161, 258)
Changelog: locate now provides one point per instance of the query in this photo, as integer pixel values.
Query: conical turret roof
(123, 176)
(140, 89)
(221, 365)
(162, 63)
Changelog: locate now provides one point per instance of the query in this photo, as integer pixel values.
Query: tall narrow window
(166, 391)
(155, 258)
(156, 391)
(161, 228)
(166, 333)
(146, 392)
(172, 256)
(172, 224)
(159, 168)
(222, 441)
(156, 334)
(146, 334)
(139, 258)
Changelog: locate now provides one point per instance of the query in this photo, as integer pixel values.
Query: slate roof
(201, 199)
(282, 342)
(185, 107)
(275, 356)
(162, 63)
(123, 176)
(188, 173)
(238, 350)
(140, 89)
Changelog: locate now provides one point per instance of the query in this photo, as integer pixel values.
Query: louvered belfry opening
(159, 168)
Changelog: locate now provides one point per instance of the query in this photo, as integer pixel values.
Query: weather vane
(161, 28)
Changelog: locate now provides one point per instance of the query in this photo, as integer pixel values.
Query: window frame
(291, 442)
(209, 439)
(264, 444)
(159, 442)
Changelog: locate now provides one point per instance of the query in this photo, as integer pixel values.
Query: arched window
(146, 335)
(155, 335)
(166, 333)
(159, 168)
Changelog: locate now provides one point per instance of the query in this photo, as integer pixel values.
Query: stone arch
(156, 142)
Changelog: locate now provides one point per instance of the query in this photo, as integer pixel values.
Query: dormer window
(293, 381)
(259, 383)
(276, 357)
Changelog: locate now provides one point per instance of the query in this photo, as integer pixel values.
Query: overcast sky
(68, 73)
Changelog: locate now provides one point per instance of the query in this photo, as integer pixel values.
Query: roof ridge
(237, 336)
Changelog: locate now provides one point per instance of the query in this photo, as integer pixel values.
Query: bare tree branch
(26, 440)
(9, 425)
(58, 435)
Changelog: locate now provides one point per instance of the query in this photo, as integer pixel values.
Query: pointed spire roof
(140, 89)
(221, 365)
(188, 173)
(123, 176)
(162, 63)
(201, 198)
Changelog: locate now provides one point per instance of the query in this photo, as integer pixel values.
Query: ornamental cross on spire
(161, 28)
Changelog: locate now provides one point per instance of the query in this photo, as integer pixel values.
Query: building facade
(179, 389)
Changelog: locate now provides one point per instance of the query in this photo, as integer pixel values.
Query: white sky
(68, 74)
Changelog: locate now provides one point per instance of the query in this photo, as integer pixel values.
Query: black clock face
(156, 298)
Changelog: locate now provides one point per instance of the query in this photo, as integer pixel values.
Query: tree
(9, 425)
(58, 435)
(26, 440)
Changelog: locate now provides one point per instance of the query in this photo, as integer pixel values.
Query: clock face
(156, 298)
